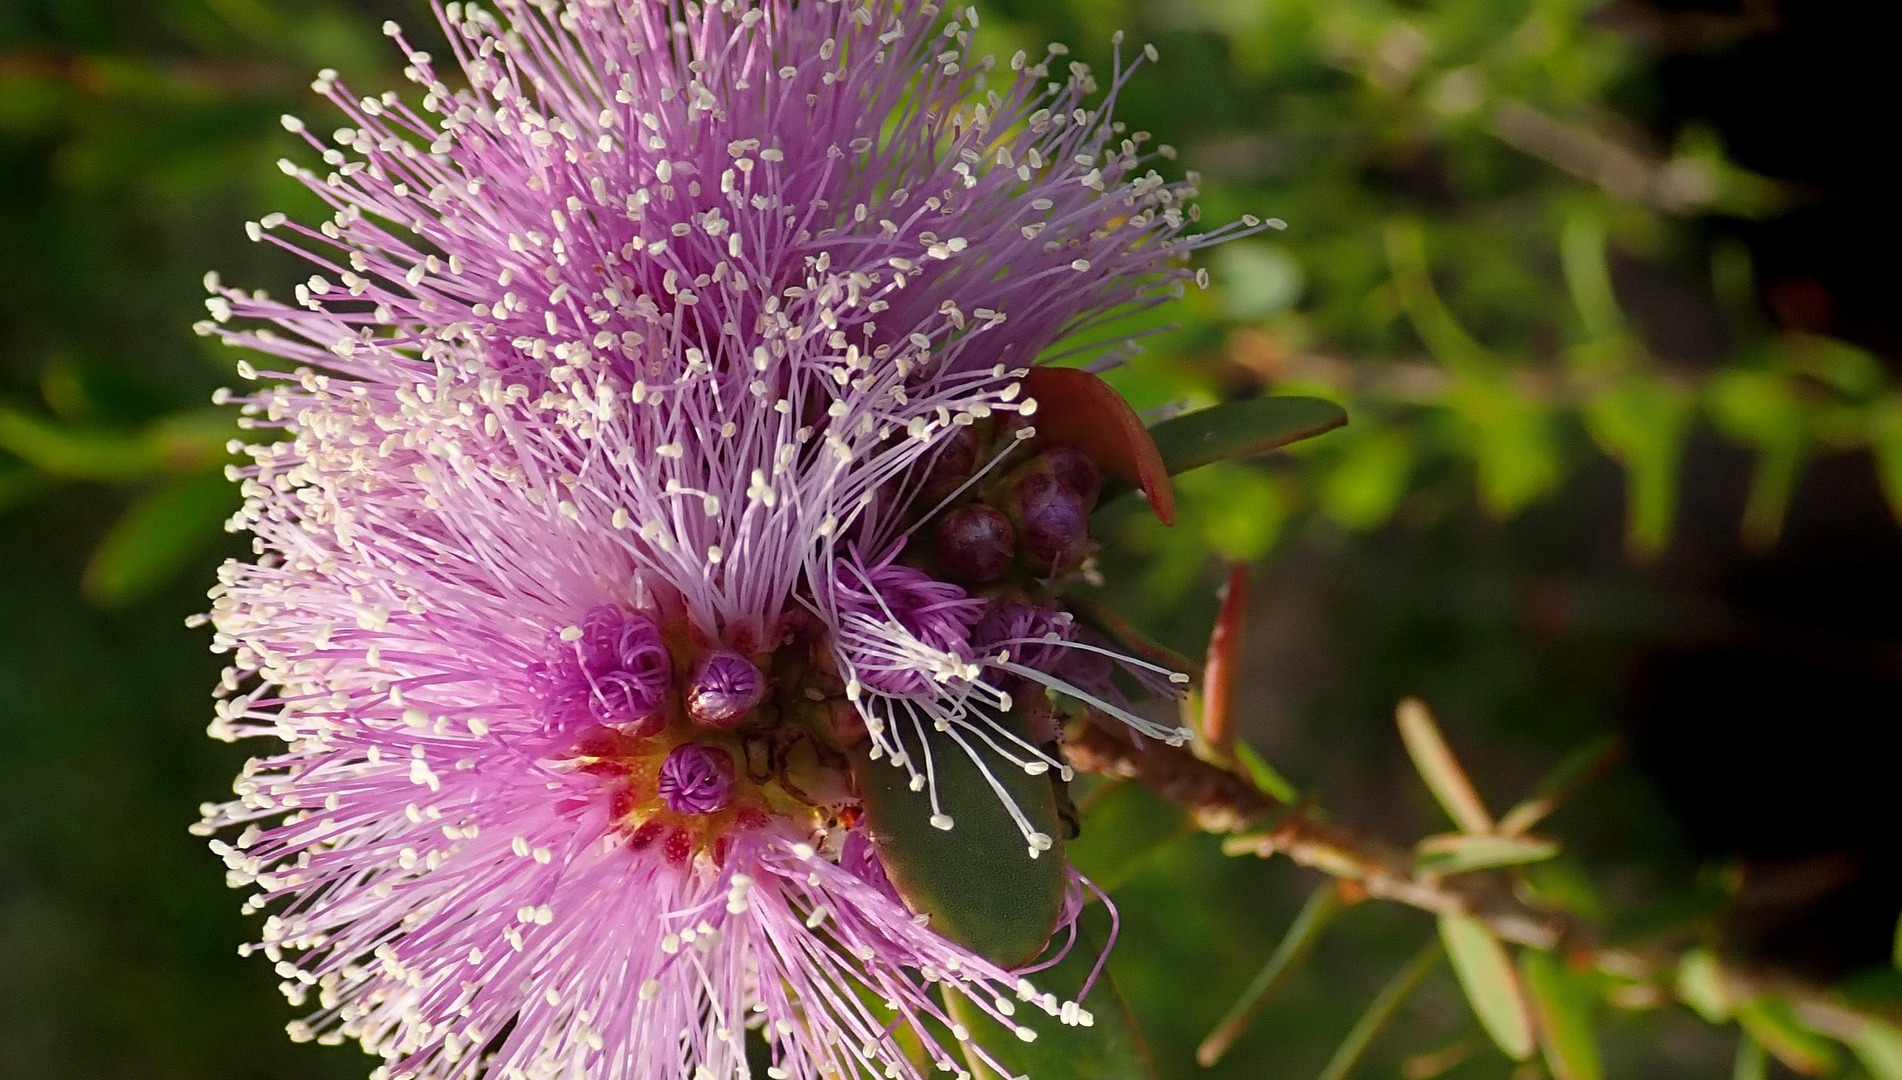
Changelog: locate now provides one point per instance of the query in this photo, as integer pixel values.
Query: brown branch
(1223, 801)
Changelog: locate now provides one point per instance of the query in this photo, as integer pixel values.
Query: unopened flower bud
(953, 463)
(696, 779)
(1077, 471)
(976, 543)
(1053, 521)
(725, 687)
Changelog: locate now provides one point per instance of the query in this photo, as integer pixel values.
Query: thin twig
(1223, 801)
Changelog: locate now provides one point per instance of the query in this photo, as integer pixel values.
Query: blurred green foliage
(1473, 226)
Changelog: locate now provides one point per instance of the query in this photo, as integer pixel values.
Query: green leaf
(1110, 1048)
(976, 879)
(1367, 478)
(1440, 769)
(1241, 428)
(1323, 904)
(1491, 986)
(1879, 1045)
(1564, 1009)
(1772, 1023)
(184, 442)
(1511, 439)
(1123, 825)
(1379, 1012)
(1578, 769)
(1265, 776)
(79, 453)
(1897, 947)
(1752, 1063)
(1700, 984)
(157, 536)
(1644, 423)
(1458, 853)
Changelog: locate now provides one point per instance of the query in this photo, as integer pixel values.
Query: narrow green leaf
(1491, 986)
(79, 453)
(1110, 1048)
(1772, 1023)
(1879, 1046)
(1588, 273)
(1265, 776)
(157, 536)
(1752, 1063)
(1123, 826)
(1458, 853)
(1897, 947)
(1700, 984)
(1241, 428)
(1379, 1012)
(1320, 909)
(976, 879)
(1643, 422)
(1578, 769)
(1440, 769)
(1564, 1009)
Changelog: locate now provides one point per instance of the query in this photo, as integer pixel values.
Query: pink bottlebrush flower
(615, 356)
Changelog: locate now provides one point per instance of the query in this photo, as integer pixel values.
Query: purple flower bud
(1052, 520)
(1076, 470)
(612, 669)
(976, 543)
(696, 779)
(952, 465)
(1031, 635)
(725, 687)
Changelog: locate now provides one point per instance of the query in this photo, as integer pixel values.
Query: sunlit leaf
(1458, 853)
(1366, 479)
(1378, 1013)
(1771, 1022)
(1644, 423)
(1295, 946)
(79, 453)
(1751, 1063)
(157, 536)
(1878, 1045)
(1110, 1048)
(1762, 408)
(1491, 985)
(1438, 767)
(1563, 1006)
(1512, 442)
(184, 442)
(975, 879)
(1700, 984)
